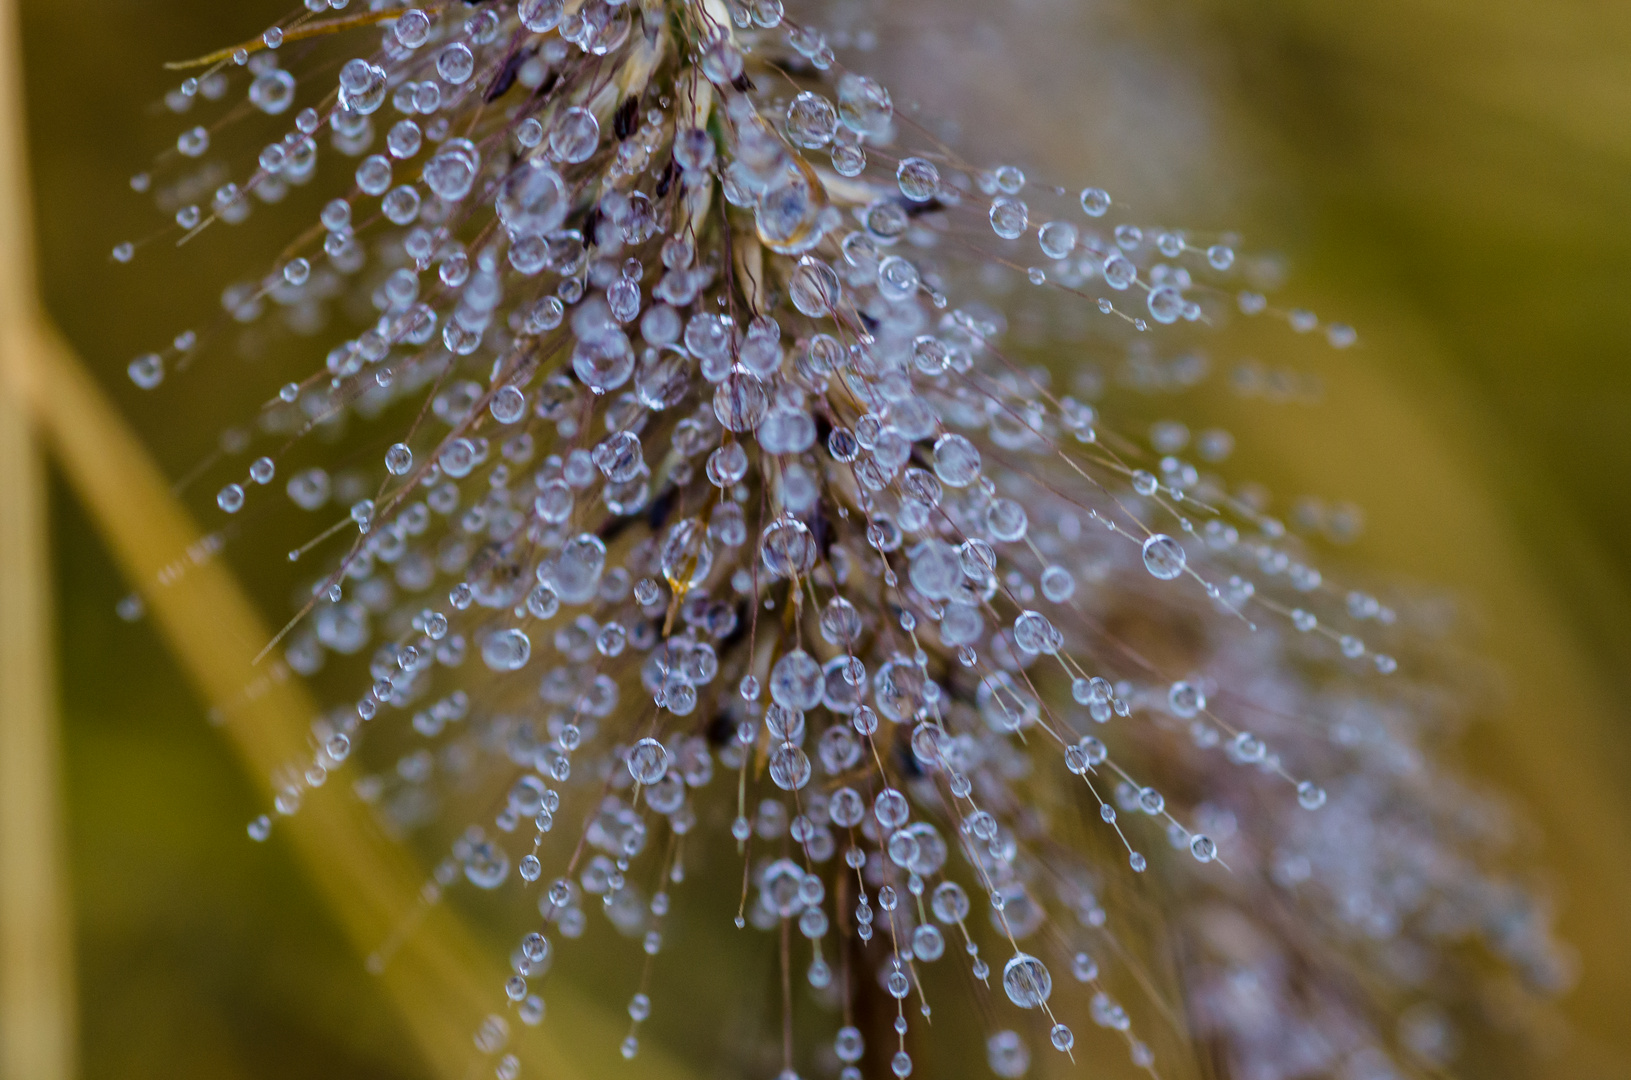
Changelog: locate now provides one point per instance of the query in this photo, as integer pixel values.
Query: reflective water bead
(1057, 584)
(452, 170)
(1007, 520)
(814, 287)
(147, 370)
(918, 179)
(796, 681)
(231, 498)
(648, 761)
(1250, 749)
(863, 105)
(541, 16)
(811, 121)
(727, 465)
(486, 866)
(412, 28)
(956, 461)
(506, 650)
(1340, 335)
(1166, 304)
(1095, 201)
(193, 142)
(1185, 699)
(897, 278)
(336, 215)
(721, 62)
(1075, 760)
(575, 135)
(789, 767)
(508, 405)
(848, 159)
(1034, 634)
(455, 63)
(374, 174)
(1057, 239)
(787, 548)
(843, 445)
(1026, 981)
(886, 220)
(740, 401)
(1061, 1037)
(272, 91)
(694, 152)
(1310, 795)
(427, 97)
(1119, 271)
(1009, 217)
(404, 139)
(930, 355)
(1163, 557)
(362, 87)
(840, 622)
(1007, 1055)
(529, 132)
(401, 205)
(949, 903)
(891, 808)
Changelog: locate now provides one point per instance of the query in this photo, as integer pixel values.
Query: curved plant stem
(36, 933)
(36, 929)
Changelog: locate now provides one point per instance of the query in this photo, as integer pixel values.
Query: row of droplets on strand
(871, 452)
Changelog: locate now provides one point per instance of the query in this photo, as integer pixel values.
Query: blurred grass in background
(1450, 177)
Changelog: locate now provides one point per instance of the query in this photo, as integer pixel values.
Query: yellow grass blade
(36, 934)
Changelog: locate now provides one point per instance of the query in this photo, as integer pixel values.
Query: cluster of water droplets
(717, 508)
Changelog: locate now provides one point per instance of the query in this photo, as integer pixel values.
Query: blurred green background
(1452, 177)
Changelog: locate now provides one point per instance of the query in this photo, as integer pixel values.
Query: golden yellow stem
(36, 914)
(36, 917)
